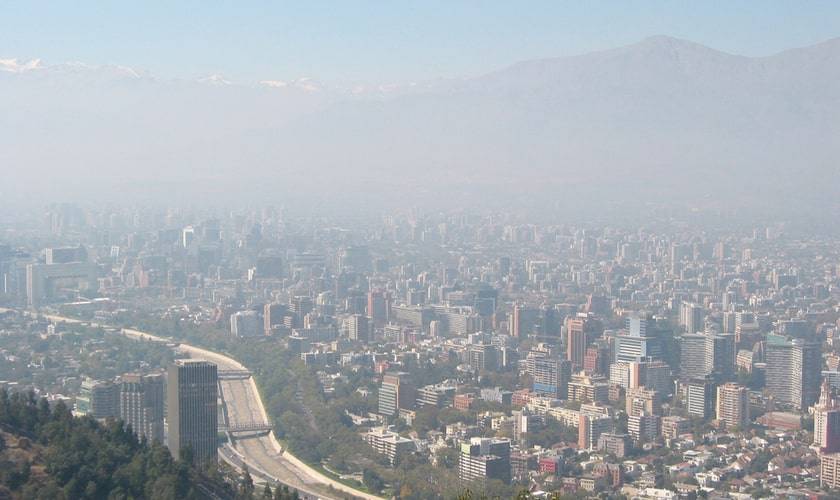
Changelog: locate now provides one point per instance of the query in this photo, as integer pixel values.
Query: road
(260, 451)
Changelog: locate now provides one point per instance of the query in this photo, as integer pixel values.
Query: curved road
(261, 452)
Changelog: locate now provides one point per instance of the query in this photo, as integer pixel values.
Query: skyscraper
(192, 409)
(827, 421)
(638, 341)
(700, 397)
(580, 330)
(793, 371)
(691, 317)
(733, 406)
(142, 404)
(551, 375)
(704, 354)
(396, 392)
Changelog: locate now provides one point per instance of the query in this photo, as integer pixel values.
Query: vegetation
(59, 456)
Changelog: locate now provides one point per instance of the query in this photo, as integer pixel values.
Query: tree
(372, 480)
(246, 485)
(267, 492)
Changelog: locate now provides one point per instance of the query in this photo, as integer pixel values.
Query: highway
(260, 451)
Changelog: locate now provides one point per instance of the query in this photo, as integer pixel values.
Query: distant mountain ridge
(656, 119)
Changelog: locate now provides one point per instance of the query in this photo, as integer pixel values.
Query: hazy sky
(379, 41)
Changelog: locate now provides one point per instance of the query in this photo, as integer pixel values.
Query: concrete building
(484, 458)
(827, 421)
(192, 409)
(733, 406)
(141, 402)
(590, 429)
(44, 280)
(390, 444)
(99, 399)
(396, 393)
(793, 371)
(246, 324)
(700, 397)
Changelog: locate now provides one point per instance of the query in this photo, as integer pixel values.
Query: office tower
(654, 375)
(590, 429)
(273, 315)
(98, 399)
(793, 371)
(550, 375)
(187, 236)
(42, 280)
(700, 397)
(484, 458)
(580, 331)
(733, 406)
(720, 355)
(827, 421)
(693, 356)
(643, 427)
(246, 324)
(516, 319)
(483, 357)
(691, 317)
(192, 409)
(596, 361)
(358, 328)
(703, 354)
(395, 393)
(638, 341)
(65, 255)
(142, 404)
(728, 322)
(377, 307)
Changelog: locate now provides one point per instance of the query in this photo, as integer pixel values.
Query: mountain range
(658, 121)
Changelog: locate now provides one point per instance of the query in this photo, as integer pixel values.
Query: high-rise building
(377, 307)
(793, 371)
(691, 317)
(590, 429)
(246, 324)
(395, 393)
(827, 421)
(485, 458)
(733, 406)
(192, 409)
(142, 404)
(704, 354)
(596, 361)
(642, 427)
(639, 341)
(550, 375)
(580, 331)
(516, 320)
(830, 470)
(273, 315)
(693, 356)
(99, 399)
(700, 397)
(358, 328)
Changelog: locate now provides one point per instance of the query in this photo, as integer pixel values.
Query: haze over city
(446, 250)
